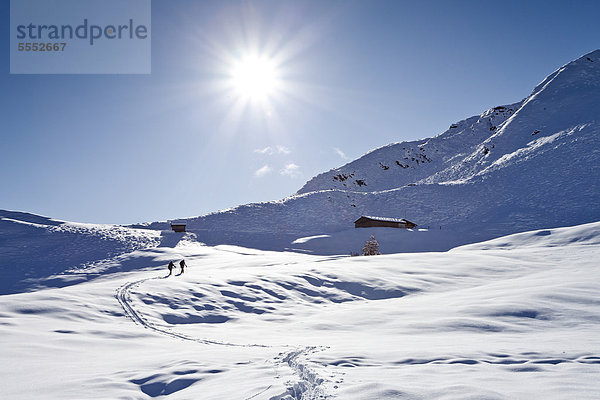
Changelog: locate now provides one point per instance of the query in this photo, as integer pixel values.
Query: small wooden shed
(366, 221)
(178, 226)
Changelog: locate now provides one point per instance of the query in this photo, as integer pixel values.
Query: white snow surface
(529, 165)
(513, 318)
(33, 247)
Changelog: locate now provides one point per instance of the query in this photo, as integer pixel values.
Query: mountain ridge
(496, 119)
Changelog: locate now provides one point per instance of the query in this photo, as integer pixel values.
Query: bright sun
(255, 77)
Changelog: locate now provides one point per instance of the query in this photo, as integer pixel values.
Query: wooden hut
(374, 222)
(178, 226)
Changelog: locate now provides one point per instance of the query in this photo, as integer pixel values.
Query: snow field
(516, 317)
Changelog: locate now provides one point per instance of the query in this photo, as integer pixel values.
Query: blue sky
(353, 75)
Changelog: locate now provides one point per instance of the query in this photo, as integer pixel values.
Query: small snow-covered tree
(371, 247)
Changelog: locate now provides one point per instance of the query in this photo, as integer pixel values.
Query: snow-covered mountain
(401, 164)
(528, 165)
(563, 109)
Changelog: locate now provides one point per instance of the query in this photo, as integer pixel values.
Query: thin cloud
(283, 150)
(340, 153)
(290, 169)
(267, 150)
(262, 171)
(270, 150)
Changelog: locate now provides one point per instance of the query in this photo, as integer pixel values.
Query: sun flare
(255, 77)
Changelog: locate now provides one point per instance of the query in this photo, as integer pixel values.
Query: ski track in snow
(307, 388)
(124, 297)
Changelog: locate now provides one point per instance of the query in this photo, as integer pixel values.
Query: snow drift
(34, 248)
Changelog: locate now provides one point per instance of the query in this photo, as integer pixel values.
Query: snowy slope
(529, 165)
(400, 164)
(566, 103)
(33, 248)
(513, 318)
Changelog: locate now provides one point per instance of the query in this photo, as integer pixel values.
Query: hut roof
(402, 220)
